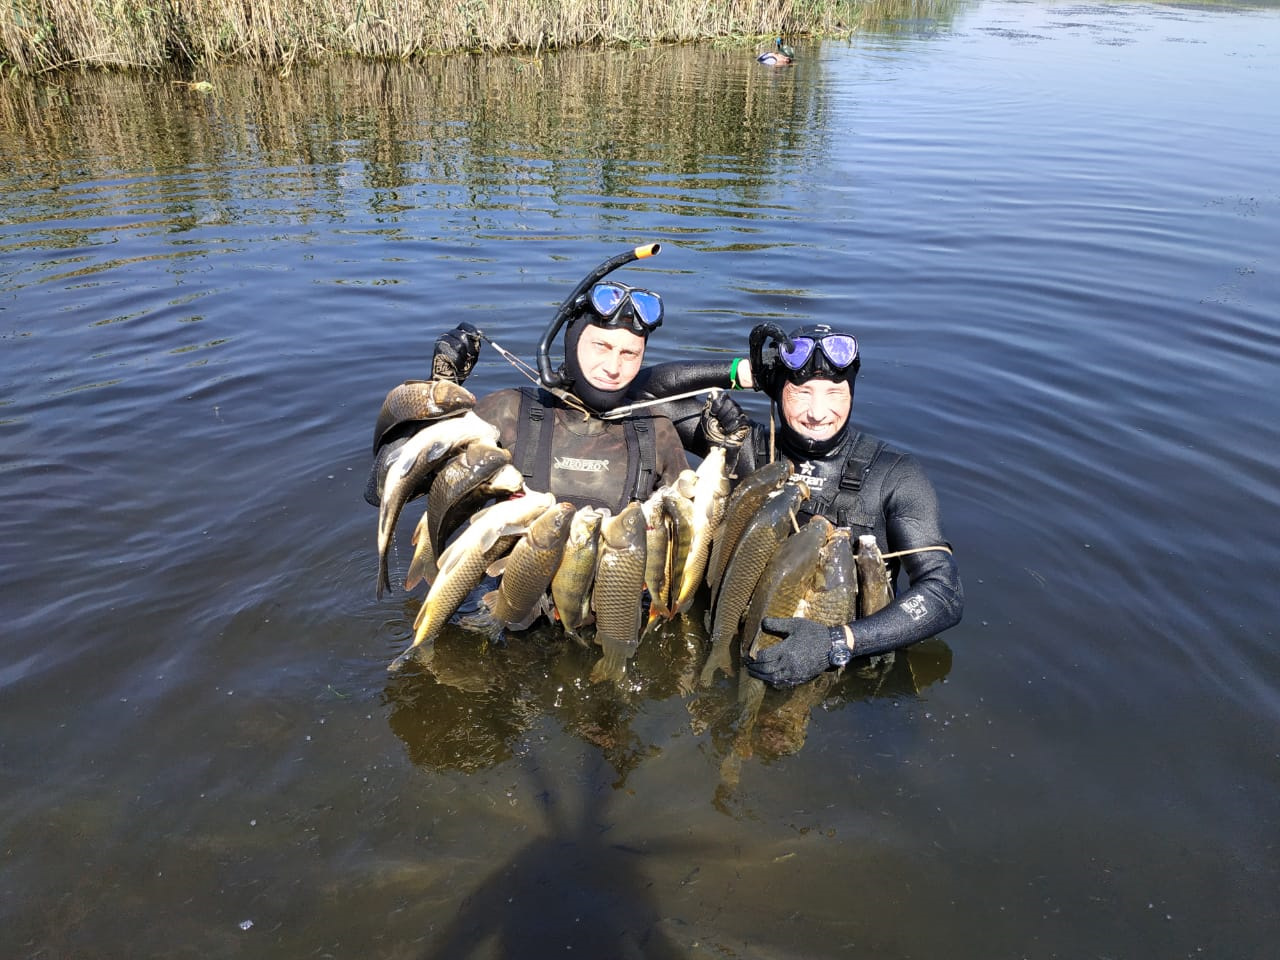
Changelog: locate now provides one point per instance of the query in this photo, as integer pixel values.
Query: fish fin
(491, 537)
(483, 620)
(498, 567)
(539, 609)
(418, 653)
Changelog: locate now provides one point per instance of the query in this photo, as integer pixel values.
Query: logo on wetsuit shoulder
(915, 606)
(582, 466)
(804, 471)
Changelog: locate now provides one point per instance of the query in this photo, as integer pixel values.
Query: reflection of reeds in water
(599, 120)
(38, 35)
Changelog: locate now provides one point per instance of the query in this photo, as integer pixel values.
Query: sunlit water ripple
(1053, 230)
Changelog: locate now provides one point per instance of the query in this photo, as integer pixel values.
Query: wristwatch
(840, 653)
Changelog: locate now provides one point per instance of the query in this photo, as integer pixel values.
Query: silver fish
(411, 470)
(491, 534)
(710, 495)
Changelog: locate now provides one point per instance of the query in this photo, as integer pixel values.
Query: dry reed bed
(40, 35)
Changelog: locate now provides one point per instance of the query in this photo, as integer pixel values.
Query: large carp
(710, 494)
(780, 592)
(744, 503)
(772, 524)
(618, 590)
(420, 400)
(529, 569)
(831, 597)
(492, 532)
(786, 579)
(571, 584)
(411, 470)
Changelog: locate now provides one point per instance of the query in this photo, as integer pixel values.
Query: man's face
(610, 359)
(816, 409)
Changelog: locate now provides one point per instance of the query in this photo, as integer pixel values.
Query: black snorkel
(551, 379)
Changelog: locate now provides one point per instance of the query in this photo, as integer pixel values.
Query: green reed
(43, 35)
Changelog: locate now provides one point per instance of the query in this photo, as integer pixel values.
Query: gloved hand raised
(766, 368)
(456, 353)
(801, 655)
(724, 423)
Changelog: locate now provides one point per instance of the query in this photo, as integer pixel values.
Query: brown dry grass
(41, 35)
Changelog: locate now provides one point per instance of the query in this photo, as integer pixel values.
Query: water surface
(1052, 227)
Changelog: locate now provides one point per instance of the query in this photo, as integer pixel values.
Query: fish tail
(718, 659)
(610, 666)
(384, 576)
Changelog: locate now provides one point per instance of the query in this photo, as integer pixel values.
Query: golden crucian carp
(533, 561)
(619, 588)
(573, 579)
(657, 563)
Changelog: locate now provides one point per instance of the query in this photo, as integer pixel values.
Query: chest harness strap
(535, 459)
(857, 498)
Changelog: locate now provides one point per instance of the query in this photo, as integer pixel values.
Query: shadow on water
(571, 889)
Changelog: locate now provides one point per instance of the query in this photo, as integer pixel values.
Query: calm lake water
(1054, 228)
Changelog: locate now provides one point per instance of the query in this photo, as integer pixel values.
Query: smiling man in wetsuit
(856, 481)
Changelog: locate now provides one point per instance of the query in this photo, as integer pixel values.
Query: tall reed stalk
(41, 35)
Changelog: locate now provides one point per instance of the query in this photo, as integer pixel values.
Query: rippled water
(1053, 227)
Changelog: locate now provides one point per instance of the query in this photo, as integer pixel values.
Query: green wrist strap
(733, 374)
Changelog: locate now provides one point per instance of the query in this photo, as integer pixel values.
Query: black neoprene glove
(765, 366)
(801, 655)
(456, 353)
(724, 423)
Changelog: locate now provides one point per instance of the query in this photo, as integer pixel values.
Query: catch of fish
(592, 572)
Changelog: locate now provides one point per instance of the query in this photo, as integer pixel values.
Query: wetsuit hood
(818, 365)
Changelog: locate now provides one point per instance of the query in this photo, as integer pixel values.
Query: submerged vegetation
(43, 35)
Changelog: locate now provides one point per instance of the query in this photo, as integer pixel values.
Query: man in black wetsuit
(855, 480)
(570, 442)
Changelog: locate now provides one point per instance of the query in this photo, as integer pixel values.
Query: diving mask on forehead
(840, 349)
(620, 305)
(818, 351)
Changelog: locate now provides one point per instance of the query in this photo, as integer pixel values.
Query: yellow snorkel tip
(648, 250)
